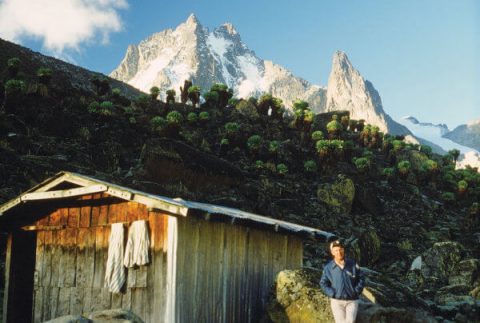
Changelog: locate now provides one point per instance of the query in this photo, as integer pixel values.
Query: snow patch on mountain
(434, 133)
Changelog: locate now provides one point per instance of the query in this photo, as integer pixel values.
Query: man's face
(338, 253)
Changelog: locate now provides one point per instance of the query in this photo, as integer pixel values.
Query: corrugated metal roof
(175, 206)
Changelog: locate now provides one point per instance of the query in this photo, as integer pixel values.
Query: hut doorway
(20, 270)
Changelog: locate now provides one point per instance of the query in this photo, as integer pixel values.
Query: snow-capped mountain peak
(192, 52)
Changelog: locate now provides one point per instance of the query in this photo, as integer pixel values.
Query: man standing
(342, 281)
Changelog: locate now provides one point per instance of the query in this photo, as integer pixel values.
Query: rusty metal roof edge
(183, 204)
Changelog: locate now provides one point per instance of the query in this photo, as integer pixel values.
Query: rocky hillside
(392, 201)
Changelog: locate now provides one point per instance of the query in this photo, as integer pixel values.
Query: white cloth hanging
(115, 273)
(138, 242)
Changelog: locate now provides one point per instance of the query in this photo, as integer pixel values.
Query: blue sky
(422, 56)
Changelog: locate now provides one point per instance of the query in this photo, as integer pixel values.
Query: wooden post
(8, 262)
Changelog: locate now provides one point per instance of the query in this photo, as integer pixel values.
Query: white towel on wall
(138, 243)
(115, 272)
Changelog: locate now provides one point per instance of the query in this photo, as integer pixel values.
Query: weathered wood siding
(70, 261)
(224, 272)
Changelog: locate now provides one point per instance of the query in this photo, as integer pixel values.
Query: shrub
(323, 147)
(404, 167)
(273, 146)
(233, 101)
(224, 142)
(310, 166)
(282, 169)
(388, 172)
(171, 96)
(204, 116)
(334, 127)
(14, 87)
(336, 146)
(454, 154)
(224, 94)
(232, 128)
(194, 94)
(317, 135)
(116, 92)
(174, 118)
(184, 91)
(397, 145)
(448, 197)
(105, 108)
(300, 105)
(462, 186)
(93, 107)
(308, 116)
(430, 166)
(154, 92)
(192, 117)
(44, 75)
(427, 150)
(259, 164)
(211, 97)
(362, 164)
(142, 101)
(13, 65)
(254, 142)
(157, 122)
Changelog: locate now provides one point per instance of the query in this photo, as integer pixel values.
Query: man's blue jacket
(346, 283)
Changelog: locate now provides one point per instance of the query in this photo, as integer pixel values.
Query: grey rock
(440, 260)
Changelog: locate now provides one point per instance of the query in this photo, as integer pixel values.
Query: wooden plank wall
(70, 262)
(225, 271)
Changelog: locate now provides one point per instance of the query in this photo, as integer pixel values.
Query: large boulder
(69, 319)
(338, 195)
(439, 262)
(114, 315)
(297, 298)
(106, 316)
(466, 272)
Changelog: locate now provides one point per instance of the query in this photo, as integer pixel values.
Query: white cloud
(60, 24)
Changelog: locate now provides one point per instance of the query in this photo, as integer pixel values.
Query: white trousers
(344, 311)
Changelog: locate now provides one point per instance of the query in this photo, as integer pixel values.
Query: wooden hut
(207, 263)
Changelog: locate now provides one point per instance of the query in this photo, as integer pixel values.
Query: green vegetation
(194, 95)
(273, 146)
(362, 164)
(15, 87)
(13, 65)
(282, 169)
(174, 118)
(317, 135)
(254, 142)
(204, 116)
(44, 75)
(310, 166)
(192, 117)
(171, 96)
(404, 167)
